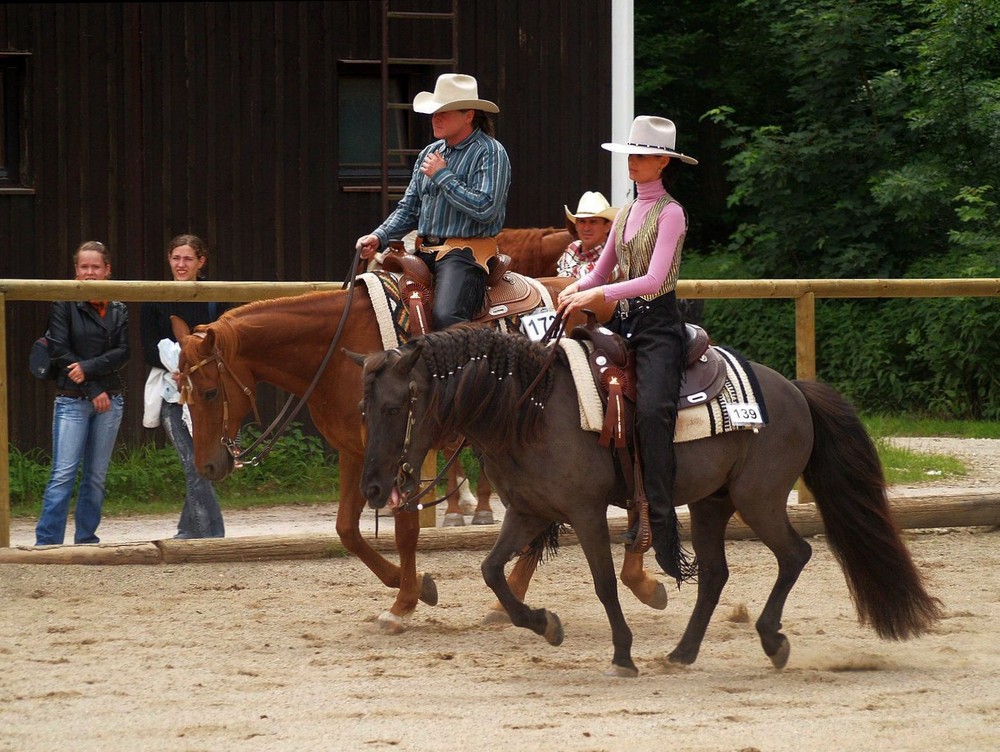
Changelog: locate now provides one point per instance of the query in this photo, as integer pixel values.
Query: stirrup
(639, 538)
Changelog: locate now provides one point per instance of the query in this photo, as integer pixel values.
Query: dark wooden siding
(151, 119)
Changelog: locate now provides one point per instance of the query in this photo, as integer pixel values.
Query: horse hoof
(780, 657)
(659, 599)
(553, 629)
(624, 672)
(496, 616)
(428, 590)
(483, 517)
(453, 519)
(389, 623)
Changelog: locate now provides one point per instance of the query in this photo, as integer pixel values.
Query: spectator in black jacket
(88, 343)
(187, 255)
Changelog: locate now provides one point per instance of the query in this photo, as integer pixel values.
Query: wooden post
(428, 515)
(805, 336)
(805, 358)
(4, 432)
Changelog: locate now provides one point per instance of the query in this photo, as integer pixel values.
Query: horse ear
(355, 357)
(180, 327)
(409, 357)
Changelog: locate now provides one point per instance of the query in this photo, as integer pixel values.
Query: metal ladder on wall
(400, 18)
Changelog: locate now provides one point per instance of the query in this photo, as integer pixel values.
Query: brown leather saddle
(507, 294)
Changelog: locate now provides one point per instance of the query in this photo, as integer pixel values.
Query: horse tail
(845, 475)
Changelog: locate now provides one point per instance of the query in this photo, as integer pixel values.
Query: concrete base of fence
(940, 510)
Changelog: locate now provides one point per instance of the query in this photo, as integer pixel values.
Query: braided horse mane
(479, 375)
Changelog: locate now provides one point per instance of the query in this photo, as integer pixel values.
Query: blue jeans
(79, 435)
(201, 516)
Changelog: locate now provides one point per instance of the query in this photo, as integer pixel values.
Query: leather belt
(431, 241)
(631, 306)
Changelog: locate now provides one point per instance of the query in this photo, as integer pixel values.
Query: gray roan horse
(550, 471)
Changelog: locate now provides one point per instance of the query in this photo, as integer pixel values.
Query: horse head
(213, 389)
(391, 410)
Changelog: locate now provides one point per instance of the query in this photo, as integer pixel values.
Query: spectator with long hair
(187, 255)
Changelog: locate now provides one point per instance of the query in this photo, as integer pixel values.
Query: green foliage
(297, 462)
(29, 472)
(148, 478)
(861, 135)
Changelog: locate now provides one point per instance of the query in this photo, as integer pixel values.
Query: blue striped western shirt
(465, 199)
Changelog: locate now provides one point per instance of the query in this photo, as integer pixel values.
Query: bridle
(232, 445)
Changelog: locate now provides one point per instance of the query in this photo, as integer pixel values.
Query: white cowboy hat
(592, 204)
(453, 91)
(651, 135)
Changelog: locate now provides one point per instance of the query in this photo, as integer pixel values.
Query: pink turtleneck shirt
(671, 226)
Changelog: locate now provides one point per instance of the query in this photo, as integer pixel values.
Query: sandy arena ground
(286, 656)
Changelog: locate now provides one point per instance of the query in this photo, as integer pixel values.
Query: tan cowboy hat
(453, 91)
(592, 204)
(651, 135)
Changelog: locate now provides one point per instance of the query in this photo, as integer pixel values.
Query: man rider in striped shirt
(456, 199)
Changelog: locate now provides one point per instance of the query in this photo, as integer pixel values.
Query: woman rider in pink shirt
(645, 242)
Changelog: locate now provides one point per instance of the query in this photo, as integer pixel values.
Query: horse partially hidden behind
(534, 251)
(550, 471)
(282, 342)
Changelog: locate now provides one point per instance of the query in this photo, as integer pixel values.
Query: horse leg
(516, 532)
(413, 586)
(709, 518)
(644, 587)
(595, 540)
(518, 581)
(792, 552)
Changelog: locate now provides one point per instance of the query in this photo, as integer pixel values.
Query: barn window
(360, 126)
(13, 124)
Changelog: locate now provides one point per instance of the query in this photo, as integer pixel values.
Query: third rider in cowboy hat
(646, 242)
(590, 226)
(456, 199)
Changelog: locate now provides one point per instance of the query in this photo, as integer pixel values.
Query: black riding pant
(459, 286)
(655, 330)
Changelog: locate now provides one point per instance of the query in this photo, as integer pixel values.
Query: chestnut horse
(282, 342)
(550, 471)
(534, 251)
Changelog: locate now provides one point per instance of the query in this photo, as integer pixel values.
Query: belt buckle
(432, 241)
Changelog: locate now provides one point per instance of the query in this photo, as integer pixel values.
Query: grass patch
(897, 425)
(905, 467)
(149, 480)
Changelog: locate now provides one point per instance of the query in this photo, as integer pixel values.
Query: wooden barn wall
(146, 120)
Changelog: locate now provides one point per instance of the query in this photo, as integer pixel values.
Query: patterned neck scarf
(101, 306)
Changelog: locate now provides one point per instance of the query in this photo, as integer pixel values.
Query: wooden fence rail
(803, 291)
